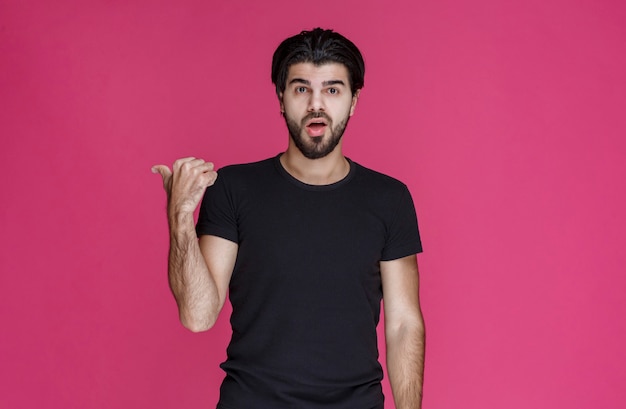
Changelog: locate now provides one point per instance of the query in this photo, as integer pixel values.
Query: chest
(310, 224)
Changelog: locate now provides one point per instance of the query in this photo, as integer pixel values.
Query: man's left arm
(404, 331)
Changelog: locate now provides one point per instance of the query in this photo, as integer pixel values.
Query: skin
(326, 89)
(200, 270)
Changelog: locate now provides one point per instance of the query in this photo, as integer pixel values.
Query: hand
(185, 183)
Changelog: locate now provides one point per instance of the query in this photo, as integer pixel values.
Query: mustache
(315, 115)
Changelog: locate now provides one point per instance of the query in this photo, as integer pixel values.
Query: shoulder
(377, 180)
(247, 168)
(246, 172)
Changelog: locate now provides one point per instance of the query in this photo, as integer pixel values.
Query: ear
(282, 105)
(355, 99)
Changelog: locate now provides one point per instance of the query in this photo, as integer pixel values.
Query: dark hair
(319, 47)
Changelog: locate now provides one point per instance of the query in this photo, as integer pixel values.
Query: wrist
(180, 220)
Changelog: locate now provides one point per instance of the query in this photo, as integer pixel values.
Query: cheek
(293, 105)
(345, 109)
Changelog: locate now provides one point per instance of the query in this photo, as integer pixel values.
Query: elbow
(198, 324)
(196, 327)
(413, 328)
(198, 316)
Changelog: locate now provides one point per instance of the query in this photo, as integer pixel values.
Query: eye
(301, 90)
(333, 91)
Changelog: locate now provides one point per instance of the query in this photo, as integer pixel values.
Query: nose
(316, 102)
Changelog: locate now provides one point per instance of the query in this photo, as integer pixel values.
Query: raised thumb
(163, 170)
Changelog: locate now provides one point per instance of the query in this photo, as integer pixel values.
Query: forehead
(318, 73)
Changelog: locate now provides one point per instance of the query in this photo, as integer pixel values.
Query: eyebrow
(325, 83)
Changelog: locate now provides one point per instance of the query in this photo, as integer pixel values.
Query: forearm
(405, 364)
(193, 287)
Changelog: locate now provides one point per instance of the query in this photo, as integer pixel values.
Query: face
(317, 103)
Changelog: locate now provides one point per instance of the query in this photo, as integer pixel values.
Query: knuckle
(182, 161)
(186, 167)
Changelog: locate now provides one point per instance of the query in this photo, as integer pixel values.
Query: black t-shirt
(306, 287)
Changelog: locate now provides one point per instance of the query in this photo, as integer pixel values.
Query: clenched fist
(185, 183)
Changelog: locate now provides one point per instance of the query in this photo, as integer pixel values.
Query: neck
(323, 171)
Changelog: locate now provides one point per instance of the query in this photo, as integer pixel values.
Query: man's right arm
(199, 273)
(199, 270)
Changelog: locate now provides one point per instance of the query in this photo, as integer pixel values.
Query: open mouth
(316, 127)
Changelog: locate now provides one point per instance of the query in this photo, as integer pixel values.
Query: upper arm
(219, 255)
(400, 282)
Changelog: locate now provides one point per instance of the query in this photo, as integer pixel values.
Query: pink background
(505, 118)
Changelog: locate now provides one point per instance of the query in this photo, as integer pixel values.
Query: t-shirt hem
(402, 252)
(216, 231)
(377, 403)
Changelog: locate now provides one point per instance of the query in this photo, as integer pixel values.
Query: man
(305, 244)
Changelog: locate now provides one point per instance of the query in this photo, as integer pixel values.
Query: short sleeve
(217, 216)
(403, 238)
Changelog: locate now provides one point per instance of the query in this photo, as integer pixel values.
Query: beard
(316, 148)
